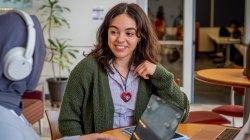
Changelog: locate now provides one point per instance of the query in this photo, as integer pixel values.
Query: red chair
(206, 117)
(33, 107)
(232, 109)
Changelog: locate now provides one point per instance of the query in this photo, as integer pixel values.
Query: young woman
(111, 87)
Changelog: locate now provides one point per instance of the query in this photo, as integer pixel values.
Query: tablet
(177, 136)
(158, 121)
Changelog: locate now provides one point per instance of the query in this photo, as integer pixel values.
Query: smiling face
(122, 37)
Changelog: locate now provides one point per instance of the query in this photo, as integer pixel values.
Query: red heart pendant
(126, 96)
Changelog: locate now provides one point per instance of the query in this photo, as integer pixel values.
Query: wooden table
(174, 44)
(227, 42)
(241, 48)
(228, 77)
(171, 42)
(187, 129)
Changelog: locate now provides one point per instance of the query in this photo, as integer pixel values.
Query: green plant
(60, 50)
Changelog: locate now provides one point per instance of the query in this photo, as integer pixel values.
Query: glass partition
(219, 45)
(167, 18)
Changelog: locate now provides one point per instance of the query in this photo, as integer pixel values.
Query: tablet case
(159, 121)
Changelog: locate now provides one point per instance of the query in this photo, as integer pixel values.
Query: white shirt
(14, 127)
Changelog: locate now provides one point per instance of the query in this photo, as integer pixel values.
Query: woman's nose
(121, 37)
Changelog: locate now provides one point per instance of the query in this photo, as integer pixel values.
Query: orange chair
(33, 107)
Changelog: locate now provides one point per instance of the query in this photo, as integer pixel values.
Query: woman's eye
(113, 32)
(129, 34)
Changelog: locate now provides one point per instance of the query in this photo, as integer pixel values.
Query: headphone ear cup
(16, 67)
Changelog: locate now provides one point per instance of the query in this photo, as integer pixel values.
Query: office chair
(52, 116)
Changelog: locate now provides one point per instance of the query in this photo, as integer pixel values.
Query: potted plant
(60, 50)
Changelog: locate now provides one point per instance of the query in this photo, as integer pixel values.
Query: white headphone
(18, 61)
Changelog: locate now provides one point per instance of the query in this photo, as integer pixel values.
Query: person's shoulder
(87, 63)
(89, 60)
(3, 113)
(14, 18)
(9, 16)
(11, 19)
(86, 67)
(157, 20)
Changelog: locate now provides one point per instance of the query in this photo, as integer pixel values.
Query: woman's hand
(97, 136)
(145, 69)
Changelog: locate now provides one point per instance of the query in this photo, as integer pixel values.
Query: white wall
(143, 4)
(83, 28)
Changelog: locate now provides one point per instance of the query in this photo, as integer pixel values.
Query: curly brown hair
(147, 49)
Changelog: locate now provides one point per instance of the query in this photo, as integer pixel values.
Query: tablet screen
(159, 121)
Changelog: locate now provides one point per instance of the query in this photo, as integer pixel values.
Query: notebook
(158, 122)
(220, 133)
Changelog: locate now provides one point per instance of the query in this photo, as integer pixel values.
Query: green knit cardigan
(88, 107)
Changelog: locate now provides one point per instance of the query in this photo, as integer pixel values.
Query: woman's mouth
(120, 47)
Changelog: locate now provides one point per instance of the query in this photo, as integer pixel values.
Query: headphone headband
(18, 61)
(31, 36)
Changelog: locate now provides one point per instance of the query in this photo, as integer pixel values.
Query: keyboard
(228, 134)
